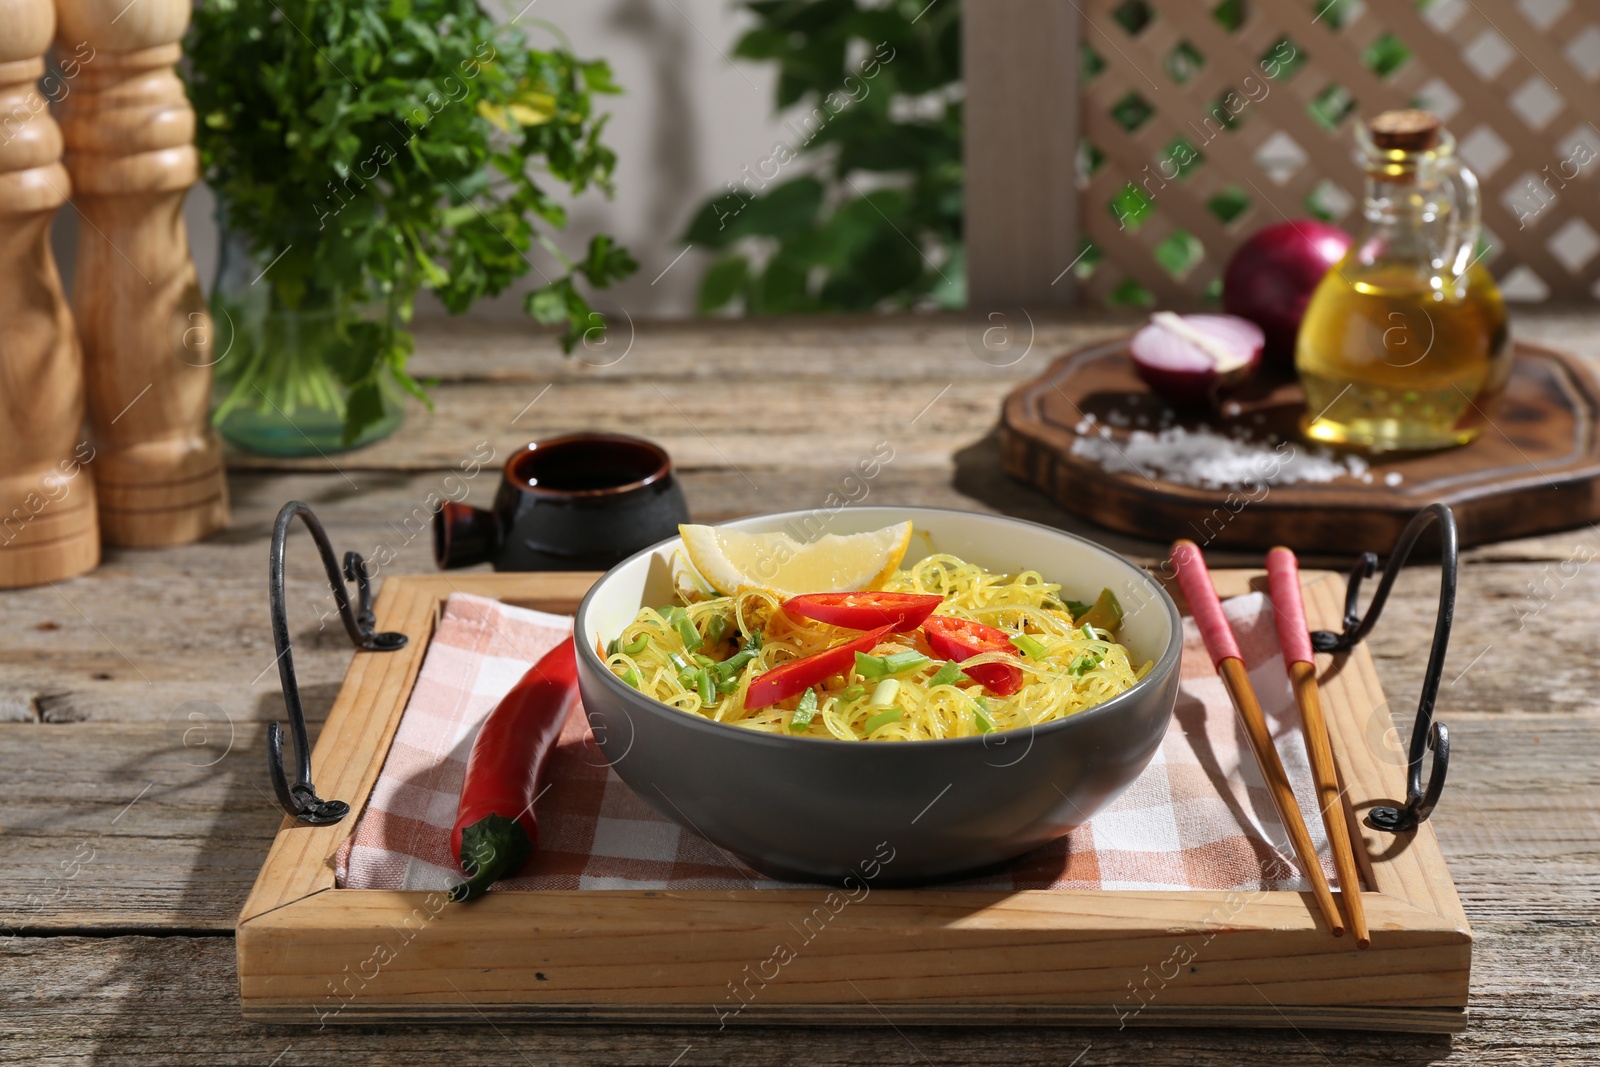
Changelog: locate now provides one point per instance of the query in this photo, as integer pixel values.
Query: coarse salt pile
(1209, 460)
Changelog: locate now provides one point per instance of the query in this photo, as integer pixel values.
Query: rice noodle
(1018, 604)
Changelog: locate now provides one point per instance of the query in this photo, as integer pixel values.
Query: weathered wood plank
(865, 348)
(1518, 823)
(727, 376)
(138, 1001)
(148, 825)
(146, 635)
(753, 425)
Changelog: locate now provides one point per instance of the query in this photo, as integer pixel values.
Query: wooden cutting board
(1535, 469)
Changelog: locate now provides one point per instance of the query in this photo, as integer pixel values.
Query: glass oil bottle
(1404, 344)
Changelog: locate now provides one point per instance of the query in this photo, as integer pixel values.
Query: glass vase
(282, 372)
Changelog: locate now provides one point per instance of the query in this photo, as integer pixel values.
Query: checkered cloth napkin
(1200, 816)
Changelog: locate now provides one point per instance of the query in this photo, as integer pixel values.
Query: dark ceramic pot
(814, 808)
(580, 502)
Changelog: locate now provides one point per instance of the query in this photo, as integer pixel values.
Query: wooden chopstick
(1283, 583)
(1195, 581)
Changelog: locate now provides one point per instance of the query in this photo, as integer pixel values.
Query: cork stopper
(1406, 131)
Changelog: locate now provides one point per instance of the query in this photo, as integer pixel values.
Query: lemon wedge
(731, 560)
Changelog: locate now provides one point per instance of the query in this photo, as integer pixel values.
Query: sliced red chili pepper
(797, 676)
(961, 639)
(865, 611)
(495, 831)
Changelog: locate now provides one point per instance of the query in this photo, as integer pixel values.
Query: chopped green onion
(981, 716)
(1029, 646)
(894, 663)
(948, 674)
(689, 678)
(1078, 608)
(885, 692)
(704, 661)
(678, 661)
(730, 667)
(691, 637)
(883, 718)
(637, 645)
(870, 666)
(631, 676)
(909, 660)
(614, 647)
(672, 613)
(1089, 634)
(708, 689)
(1084, 664)
(853, 693)
(716, 630)
(753, 642)
(728, 686)
(804, 713)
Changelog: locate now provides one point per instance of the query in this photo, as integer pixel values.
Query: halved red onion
(1271, 277)
(1196, 359)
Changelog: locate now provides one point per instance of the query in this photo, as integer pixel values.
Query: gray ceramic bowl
(807, 808)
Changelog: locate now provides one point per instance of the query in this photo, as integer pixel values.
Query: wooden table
(136, 805)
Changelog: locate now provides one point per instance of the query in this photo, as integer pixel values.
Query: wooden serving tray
(310, 953)
(1536, 468)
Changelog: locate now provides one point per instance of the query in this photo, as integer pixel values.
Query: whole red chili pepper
(496, 831)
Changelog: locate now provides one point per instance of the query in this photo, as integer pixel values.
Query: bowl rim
(519, 483)
(620, 690)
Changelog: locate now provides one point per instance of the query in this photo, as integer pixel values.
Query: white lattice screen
(1516, 81)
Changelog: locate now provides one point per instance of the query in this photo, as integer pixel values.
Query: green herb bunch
(369, 149)
(860, 205)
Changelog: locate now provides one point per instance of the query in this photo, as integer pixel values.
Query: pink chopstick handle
(1283, 584)
(1195, 581)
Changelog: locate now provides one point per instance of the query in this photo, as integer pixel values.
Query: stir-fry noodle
(701, 658)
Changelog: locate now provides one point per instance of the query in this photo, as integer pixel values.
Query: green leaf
(782, 288)
(363, 407)
(598, 78)
(725, 280)
(606, 262)
(714, 225)
(548, 306)
(762, 43)
(785, 210)
(873, 91)
(360, 137)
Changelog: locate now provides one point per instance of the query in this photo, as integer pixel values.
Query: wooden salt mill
(146, 332)
(47, 500)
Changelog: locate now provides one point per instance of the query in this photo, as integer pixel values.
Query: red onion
(1272, 275)
(1193, 359)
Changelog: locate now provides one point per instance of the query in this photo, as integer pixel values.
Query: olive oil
(1392, 359)
(1403, 345)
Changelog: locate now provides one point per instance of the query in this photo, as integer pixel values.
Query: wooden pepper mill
(47, 500)
(146, 332)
